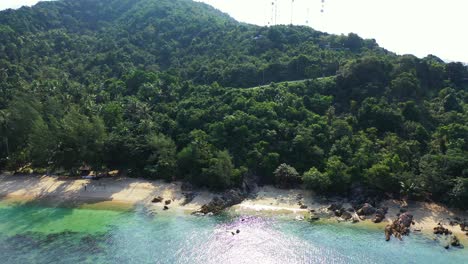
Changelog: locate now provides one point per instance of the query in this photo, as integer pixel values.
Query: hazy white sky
(418, 27)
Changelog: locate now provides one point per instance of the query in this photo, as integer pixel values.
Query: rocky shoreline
(156, 196)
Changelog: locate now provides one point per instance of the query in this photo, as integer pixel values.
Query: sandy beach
(128, 192)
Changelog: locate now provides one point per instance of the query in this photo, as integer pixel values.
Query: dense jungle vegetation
(175, 89)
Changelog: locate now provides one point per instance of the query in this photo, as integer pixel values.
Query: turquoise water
(31, 233)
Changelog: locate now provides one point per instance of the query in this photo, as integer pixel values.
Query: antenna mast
(292, 11)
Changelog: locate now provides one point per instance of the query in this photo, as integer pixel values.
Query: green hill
(158, 88)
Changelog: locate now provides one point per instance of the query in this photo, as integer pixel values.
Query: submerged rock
(167, 202)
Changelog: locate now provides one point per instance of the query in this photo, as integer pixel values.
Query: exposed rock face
(219, 203)
(366, 209)
(399, 227)
(157, 199)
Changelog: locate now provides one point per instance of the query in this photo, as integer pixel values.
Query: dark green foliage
(286, 176)
(160, 89)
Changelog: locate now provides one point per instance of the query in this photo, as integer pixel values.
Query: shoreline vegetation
(122, 193)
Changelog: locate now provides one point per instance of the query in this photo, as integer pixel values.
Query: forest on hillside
(176, 90)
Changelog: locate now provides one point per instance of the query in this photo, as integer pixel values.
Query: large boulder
(399, 227)
(380, 215)
(405, 219)
(366, 209)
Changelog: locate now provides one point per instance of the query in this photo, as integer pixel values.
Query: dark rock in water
(186, 186)
(403, 210)
(399, 227)
(157, 199)
(219, 203)
(232, 233)
(388, 232)
(167, 202)
(165, 208)
(237, 231)
(346, 215)
(455, 242)
(303, 206)
(366, 209)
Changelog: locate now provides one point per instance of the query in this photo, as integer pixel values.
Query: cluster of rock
(399, 227)
(452, 240)
(159, 199)
(225, 200)
(358, 212)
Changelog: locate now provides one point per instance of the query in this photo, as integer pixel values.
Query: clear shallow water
(30, 233)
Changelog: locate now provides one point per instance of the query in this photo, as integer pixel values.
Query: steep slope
(158, 89)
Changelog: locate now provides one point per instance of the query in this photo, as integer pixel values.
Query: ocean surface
(33, 233)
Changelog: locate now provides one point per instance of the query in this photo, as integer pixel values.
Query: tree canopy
(174, 89)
